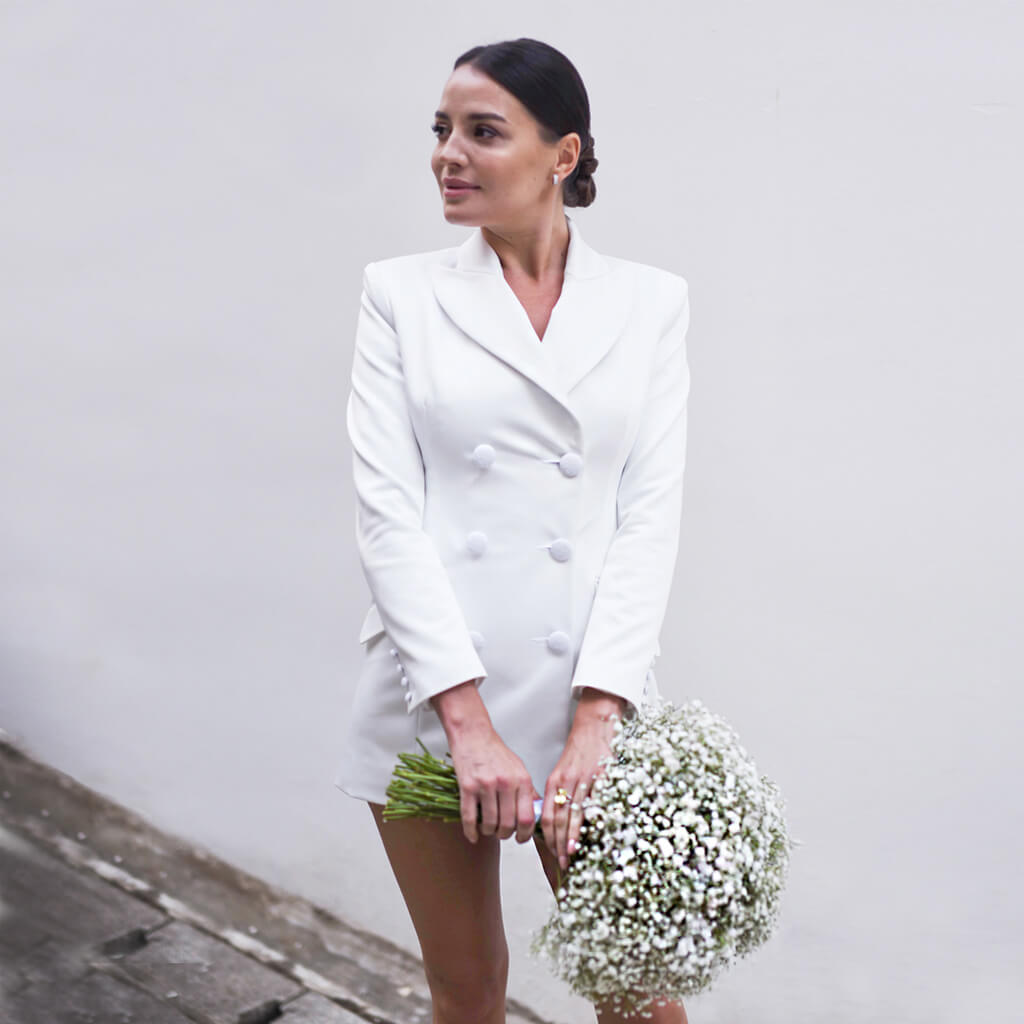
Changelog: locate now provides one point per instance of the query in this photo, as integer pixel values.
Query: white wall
(190, 192)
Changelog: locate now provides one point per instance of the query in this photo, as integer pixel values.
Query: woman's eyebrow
(474, 117)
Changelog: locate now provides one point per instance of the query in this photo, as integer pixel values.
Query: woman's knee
(471, 991)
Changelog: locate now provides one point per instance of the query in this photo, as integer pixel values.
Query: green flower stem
(423, 786)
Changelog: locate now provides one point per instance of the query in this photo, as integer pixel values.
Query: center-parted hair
(547, 83)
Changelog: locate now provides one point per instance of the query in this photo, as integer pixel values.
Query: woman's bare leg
(452, 889)
(667, 1013)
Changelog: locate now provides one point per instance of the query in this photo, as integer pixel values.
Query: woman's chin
(455, 215)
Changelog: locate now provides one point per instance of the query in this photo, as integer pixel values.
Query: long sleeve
(621, 637)
(409, 583)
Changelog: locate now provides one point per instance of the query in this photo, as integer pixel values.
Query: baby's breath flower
(683, 856)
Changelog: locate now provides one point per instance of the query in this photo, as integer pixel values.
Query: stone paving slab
(315, 1009)
(206, 977)
(102, 916)
(40, 893)
(93, 998)
(54, 921)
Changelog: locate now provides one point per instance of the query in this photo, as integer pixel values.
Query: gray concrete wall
(190, 192)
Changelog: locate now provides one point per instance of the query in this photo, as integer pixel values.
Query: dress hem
(358, 792)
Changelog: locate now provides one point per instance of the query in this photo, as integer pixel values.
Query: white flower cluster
(683, 856)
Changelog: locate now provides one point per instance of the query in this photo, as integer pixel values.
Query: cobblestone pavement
(106, 920)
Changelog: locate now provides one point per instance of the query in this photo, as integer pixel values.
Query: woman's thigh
(452, 888)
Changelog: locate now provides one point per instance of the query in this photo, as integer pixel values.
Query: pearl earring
(556, 178)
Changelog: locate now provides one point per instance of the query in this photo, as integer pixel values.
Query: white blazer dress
(518, 501)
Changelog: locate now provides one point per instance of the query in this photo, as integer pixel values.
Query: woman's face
(487, 138)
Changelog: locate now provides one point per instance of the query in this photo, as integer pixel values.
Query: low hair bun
(580, 189)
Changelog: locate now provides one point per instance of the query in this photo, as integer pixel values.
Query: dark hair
(546, 82)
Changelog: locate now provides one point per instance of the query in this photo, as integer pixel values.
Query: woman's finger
(488, 811)
(563, 837)
(547, 818)
(575, 820)
(562, 828)
(524, 813)
(507, 811)
(468, 808)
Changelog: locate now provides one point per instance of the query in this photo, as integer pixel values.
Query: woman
(518, 422)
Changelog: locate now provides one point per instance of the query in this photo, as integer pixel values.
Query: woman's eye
(438, 129)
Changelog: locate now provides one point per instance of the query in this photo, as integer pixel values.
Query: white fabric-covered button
(477, 638)
(558, 642)
(405, 680)
(561, 550)
(394, 651)
(476, 542)
(408, 696)
(483, 455)
(570, 464)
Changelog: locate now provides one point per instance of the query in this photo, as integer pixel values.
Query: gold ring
(561, 797)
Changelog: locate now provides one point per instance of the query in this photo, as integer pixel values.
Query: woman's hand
(490, 774)
(589, 742)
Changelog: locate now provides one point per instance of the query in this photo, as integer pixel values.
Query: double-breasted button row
(570, 463)
(557, 641)
(400, 670)
(560, 549)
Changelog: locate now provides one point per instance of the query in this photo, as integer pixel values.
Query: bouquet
(682, 858)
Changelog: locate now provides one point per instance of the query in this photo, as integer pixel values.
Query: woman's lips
(459, 190)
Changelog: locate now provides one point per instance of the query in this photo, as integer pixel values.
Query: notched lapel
(587, 320)
(487, 310)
